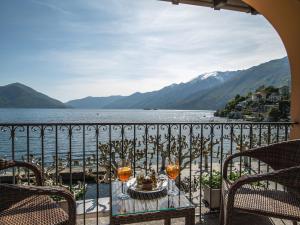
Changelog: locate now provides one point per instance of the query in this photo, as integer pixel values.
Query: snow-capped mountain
(167, 97)
(206, 91)
(207, 75)
(216, 75)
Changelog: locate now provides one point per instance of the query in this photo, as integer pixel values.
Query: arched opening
(285, 18)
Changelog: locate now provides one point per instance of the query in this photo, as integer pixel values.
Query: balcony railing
(84, 157)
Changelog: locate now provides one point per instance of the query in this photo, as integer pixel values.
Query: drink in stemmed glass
(124, 173)
(173, 170)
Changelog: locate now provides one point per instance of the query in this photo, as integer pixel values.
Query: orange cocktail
(124, 173)
(172, 171)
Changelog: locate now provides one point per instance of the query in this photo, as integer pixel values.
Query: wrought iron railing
(83, 156)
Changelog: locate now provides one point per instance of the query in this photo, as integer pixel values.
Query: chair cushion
(32, 210)
(258, 200)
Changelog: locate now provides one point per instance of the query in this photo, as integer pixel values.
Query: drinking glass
(124, 173)
(172, 171)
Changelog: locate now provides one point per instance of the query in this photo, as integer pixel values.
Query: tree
(274, 115)
(262, 87)
(269, 90)
(284, 107)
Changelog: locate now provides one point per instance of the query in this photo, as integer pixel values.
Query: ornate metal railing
(81, 155)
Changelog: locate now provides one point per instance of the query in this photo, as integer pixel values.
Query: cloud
(51, 6)
(118, 46)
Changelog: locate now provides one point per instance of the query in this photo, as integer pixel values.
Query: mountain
(93, 102)
(167, 97)
(17, 95)
(275, 73)
(206, 91)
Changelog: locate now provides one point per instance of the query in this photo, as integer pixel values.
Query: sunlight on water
(102, 116)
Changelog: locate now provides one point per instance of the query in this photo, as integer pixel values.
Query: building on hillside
(235, 115)
(241, 105)
(255, 97)
(258, 109)
(258, 96)
(274, 97)
(284, 90)
(267, 108)
(238, 107)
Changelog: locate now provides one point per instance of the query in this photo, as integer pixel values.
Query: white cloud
(121, 46)
(51, 6)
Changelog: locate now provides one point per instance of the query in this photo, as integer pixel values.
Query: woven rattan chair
(284, 159)
(32, 205)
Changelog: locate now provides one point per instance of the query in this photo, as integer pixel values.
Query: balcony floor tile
(211, 219)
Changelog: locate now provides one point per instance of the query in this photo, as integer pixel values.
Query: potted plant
(212, 188)
(212, 183)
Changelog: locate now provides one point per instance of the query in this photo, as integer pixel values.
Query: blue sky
(76, 48)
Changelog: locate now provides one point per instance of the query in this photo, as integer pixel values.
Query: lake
(47, 148)
(102, 116)
(28, 140)
(87, 144)
(47, 142)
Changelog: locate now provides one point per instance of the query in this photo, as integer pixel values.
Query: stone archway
(284, 15)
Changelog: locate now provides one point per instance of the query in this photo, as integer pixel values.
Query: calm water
(99, 115)
(48, 143)
(31, 143)
(46, 147)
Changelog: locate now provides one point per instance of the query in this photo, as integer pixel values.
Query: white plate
(162, 184)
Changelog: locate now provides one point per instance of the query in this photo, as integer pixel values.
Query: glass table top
(137, 206)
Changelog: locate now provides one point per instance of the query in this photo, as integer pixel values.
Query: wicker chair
(284, 159)
(20, 204)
